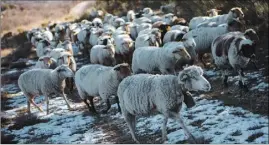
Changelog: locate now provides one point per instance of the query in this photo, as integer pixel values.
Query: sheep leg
(71, 84)
(241, 80)
(28, 106)
(225, 78)
(87, 104)
(33, 102)
(92, 105)
(47, 100)
(108, 106)
(130, 120)
(65, 99)
(164, 129)
(118, 104)
(184, 127)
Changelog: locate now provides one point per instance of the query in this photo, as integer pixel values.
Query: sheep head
(64, 71)
(192, 79)
(47, 60)
(237, 13)
(122, 70)
(247, 48)
(213, 12)
(252, 35)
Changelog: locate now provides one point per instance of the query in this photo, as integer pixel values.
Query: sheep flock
(147, 62)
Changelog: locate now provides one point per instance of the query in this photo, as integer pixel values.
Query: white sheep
(142, 20)
(66, 45)
(180, 27)
(117, 22)
(97, 23)
(151, 59)
(107, 18)
(45, 62)
(205, 36)
(95, 34)
(169, 18)
(234, 13)
(213, 12)
(130, 15)
(103, 54)
(173, 35)
(42, 45)
(98, 80)
(47, 82)
(124, 47)
(233, 50)
(143, 94)
(83, 37)
(148, 37)
(105, 39)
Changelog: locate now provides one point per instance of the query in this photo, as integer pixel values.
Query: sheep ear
(117, 68)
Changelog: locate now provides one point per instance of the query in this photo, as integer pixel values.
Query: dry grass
(25, 15)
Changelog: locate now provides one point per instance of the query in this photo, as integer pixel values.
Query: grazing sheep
(234, 13)
(144, 93)
(45, 62)
(150, 59)
(233, 50)
(45, 82)
(103, 54)
(173, 35)
(205, 36)
(97, 80)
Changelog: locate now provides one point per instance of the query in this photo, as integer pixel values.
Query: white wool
(143, 94)
(142, 20)
(45, 62)
(220, 19)
(148, 37)
(180, 27)
(56, 53)
(117, 22)
(148, 59)
(168, 18)
(97, 22)
(83, 36)
(108, 18)
(102, 54)
(41, 47)
(103, 81)
(173, 35)
(124, 44)
(47, 82)
(95, 34)
(130, 15)
(205, 36)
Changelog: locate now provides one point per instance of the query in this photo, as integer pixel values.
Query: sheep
(97, 23)
(41, 46)
(56, 53)
(47, 34)
(103, 54)
(151, 37)
(168, 18)
(173, 35)
(205, 36)
(207, 24)
(98, 80)
(46, 62)
(95, 33)
(124, 47)
(143, 94)
(105, 39)
(180, 21)
(60, 31)
(180, 27)
(234, 13)
(67, 45)
(117, 22)
(150, 59)
(67, 59)
(213, 12)
(108, 18)
(142, 20)
(83, 37)
(45, 82)
(147, 11)
(233, 50)
(163, 27)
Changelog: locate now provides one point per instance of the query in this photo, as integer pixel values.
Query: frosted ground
(214, 120)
